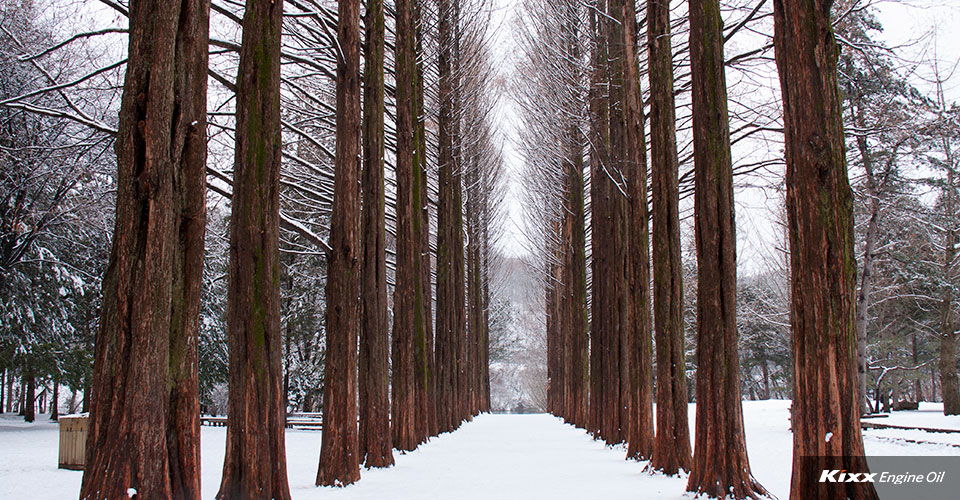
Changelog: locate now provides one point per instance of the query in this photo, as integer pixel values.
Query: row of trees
(800, 317)
(410, 136)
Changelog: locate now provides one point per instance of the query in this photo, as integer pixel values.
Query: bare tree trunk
(450, 265)
(9, 406)
(374, 371)
(600, 225)
(426, 266)
(30, 394)
(949, 385)
(554, 362)
(720, 465)
(55, 401)
(917, 386)
(424, 354)
(825, 416)
(144, 412)
(636, 324)
(85, 406)
(474, 300)
(255, 461)
(486, 310)
(866, 272)
(408, 297)
(446, 375)
(766, 379)
(559, 383)
(933, 383)
(575, 278)
(671, 450)
(615, 338)
(20, 395)
(339, 452)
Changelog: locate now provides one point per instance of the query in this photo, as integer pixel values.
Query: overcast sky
(918, 29)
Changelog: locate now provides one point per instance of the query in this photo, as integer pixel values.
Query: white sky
(917, 29)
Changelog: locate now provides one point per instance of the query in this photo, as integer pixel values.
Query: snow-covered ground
(495, 456)
(929, 415)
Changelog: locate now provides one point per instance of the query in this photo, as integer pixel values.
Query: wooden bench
(875, 425)
(213, 421)
(294, 421)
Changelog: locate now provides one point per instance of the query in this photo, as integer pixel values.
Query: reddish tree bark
(420, 258)
(255, 461)
(618, 335)
(144, 421)
(474, 298)
(339, 452)
(426, 369)
(636, 327)
(450, 322)
(671, 451)
(599, 194)
(825, 417)
(474, 173)
(456, 221)
(720, 464)
(430, 408)
(573, 238)
(554, 324)
(375, 440)
(550, 322)
(408, 298)
(574, 308)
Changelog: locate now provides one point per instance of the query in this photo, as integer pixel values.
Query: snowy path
(509, 456)
(523, 457)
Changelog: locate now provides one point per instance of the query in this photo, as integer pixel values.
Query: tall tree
(720, 464)
(461, 350)
(472, 172)
(599, 194)
(339, 450)
(450, 266)
(422, 349)
(408, 297)
(374, 371)
(29, 384)
(430, 406)
(671, 450)
(943, 131)
(55, 400)
(144, 422)
(485, 402)
(554, 321)
(877, 105)
(632, 162)
(823, 267)
(947, 364)
(574, 238)
(255, 458)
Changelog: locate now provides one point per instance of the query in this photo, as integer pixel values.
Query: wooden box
(73, 441)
